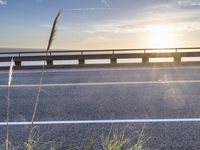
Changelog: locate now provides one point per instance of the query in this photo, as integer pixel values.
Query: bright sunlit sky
(100, 24)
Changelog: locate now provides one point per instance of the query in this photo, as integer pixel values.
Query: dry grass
(51, 38)
(8, 102)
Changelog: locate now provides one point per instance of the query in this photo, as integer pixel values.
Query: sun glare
(161, 37)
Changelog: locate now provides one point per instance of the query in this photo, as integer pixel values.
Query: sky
(100, 24)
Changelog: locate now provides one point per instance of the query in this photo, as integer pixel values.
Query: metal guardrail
(112, 54)
(113, 51)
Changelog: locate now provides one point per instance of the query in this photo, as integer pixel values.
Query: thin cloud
(189, 3)
(89, 9)
(106, 3)
(144, 25)
(50, 26)
(3, 2)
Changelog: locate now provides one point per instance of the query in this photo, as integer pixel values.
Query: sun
(161, 37)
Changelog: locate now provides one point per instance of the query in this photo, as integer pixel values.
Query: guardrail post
(113, 60)
(49, 62)
(18, 63)
(145, 60)
(81, 61)
(177, 58)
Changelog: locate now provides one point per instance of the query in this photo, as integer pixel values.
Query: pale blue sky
(97, 24)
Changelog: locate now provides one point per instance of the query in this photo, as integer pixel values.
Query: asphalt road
(133, 94)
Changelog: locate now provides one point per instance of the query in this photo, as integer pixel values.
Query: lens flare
(161, 37)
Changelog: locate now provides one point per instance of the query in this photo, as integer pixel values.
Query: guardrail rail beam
(113, 55)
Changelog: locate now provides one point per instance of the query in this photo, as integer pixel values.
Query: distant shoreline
(18, 49)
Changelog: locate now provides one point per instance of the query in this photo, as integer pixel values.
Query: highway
(80, 103)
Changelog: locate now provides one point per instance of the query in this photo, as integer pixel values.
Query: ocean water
(19, 50)
(94, 61)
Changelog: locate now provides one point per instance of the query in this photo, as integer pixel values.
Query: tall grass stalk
(8, 101)
(51, 38)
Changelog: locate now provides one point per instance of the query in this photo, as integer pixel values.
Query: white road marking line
(103, 121)
(103, 83)
(100, 69)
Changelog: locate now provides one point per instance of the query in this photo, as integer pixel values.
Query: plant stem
(37, 102)
(7, 120)
(51, 38)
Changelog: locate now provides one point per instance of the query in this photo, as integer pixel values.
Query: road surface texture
(79, 104)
